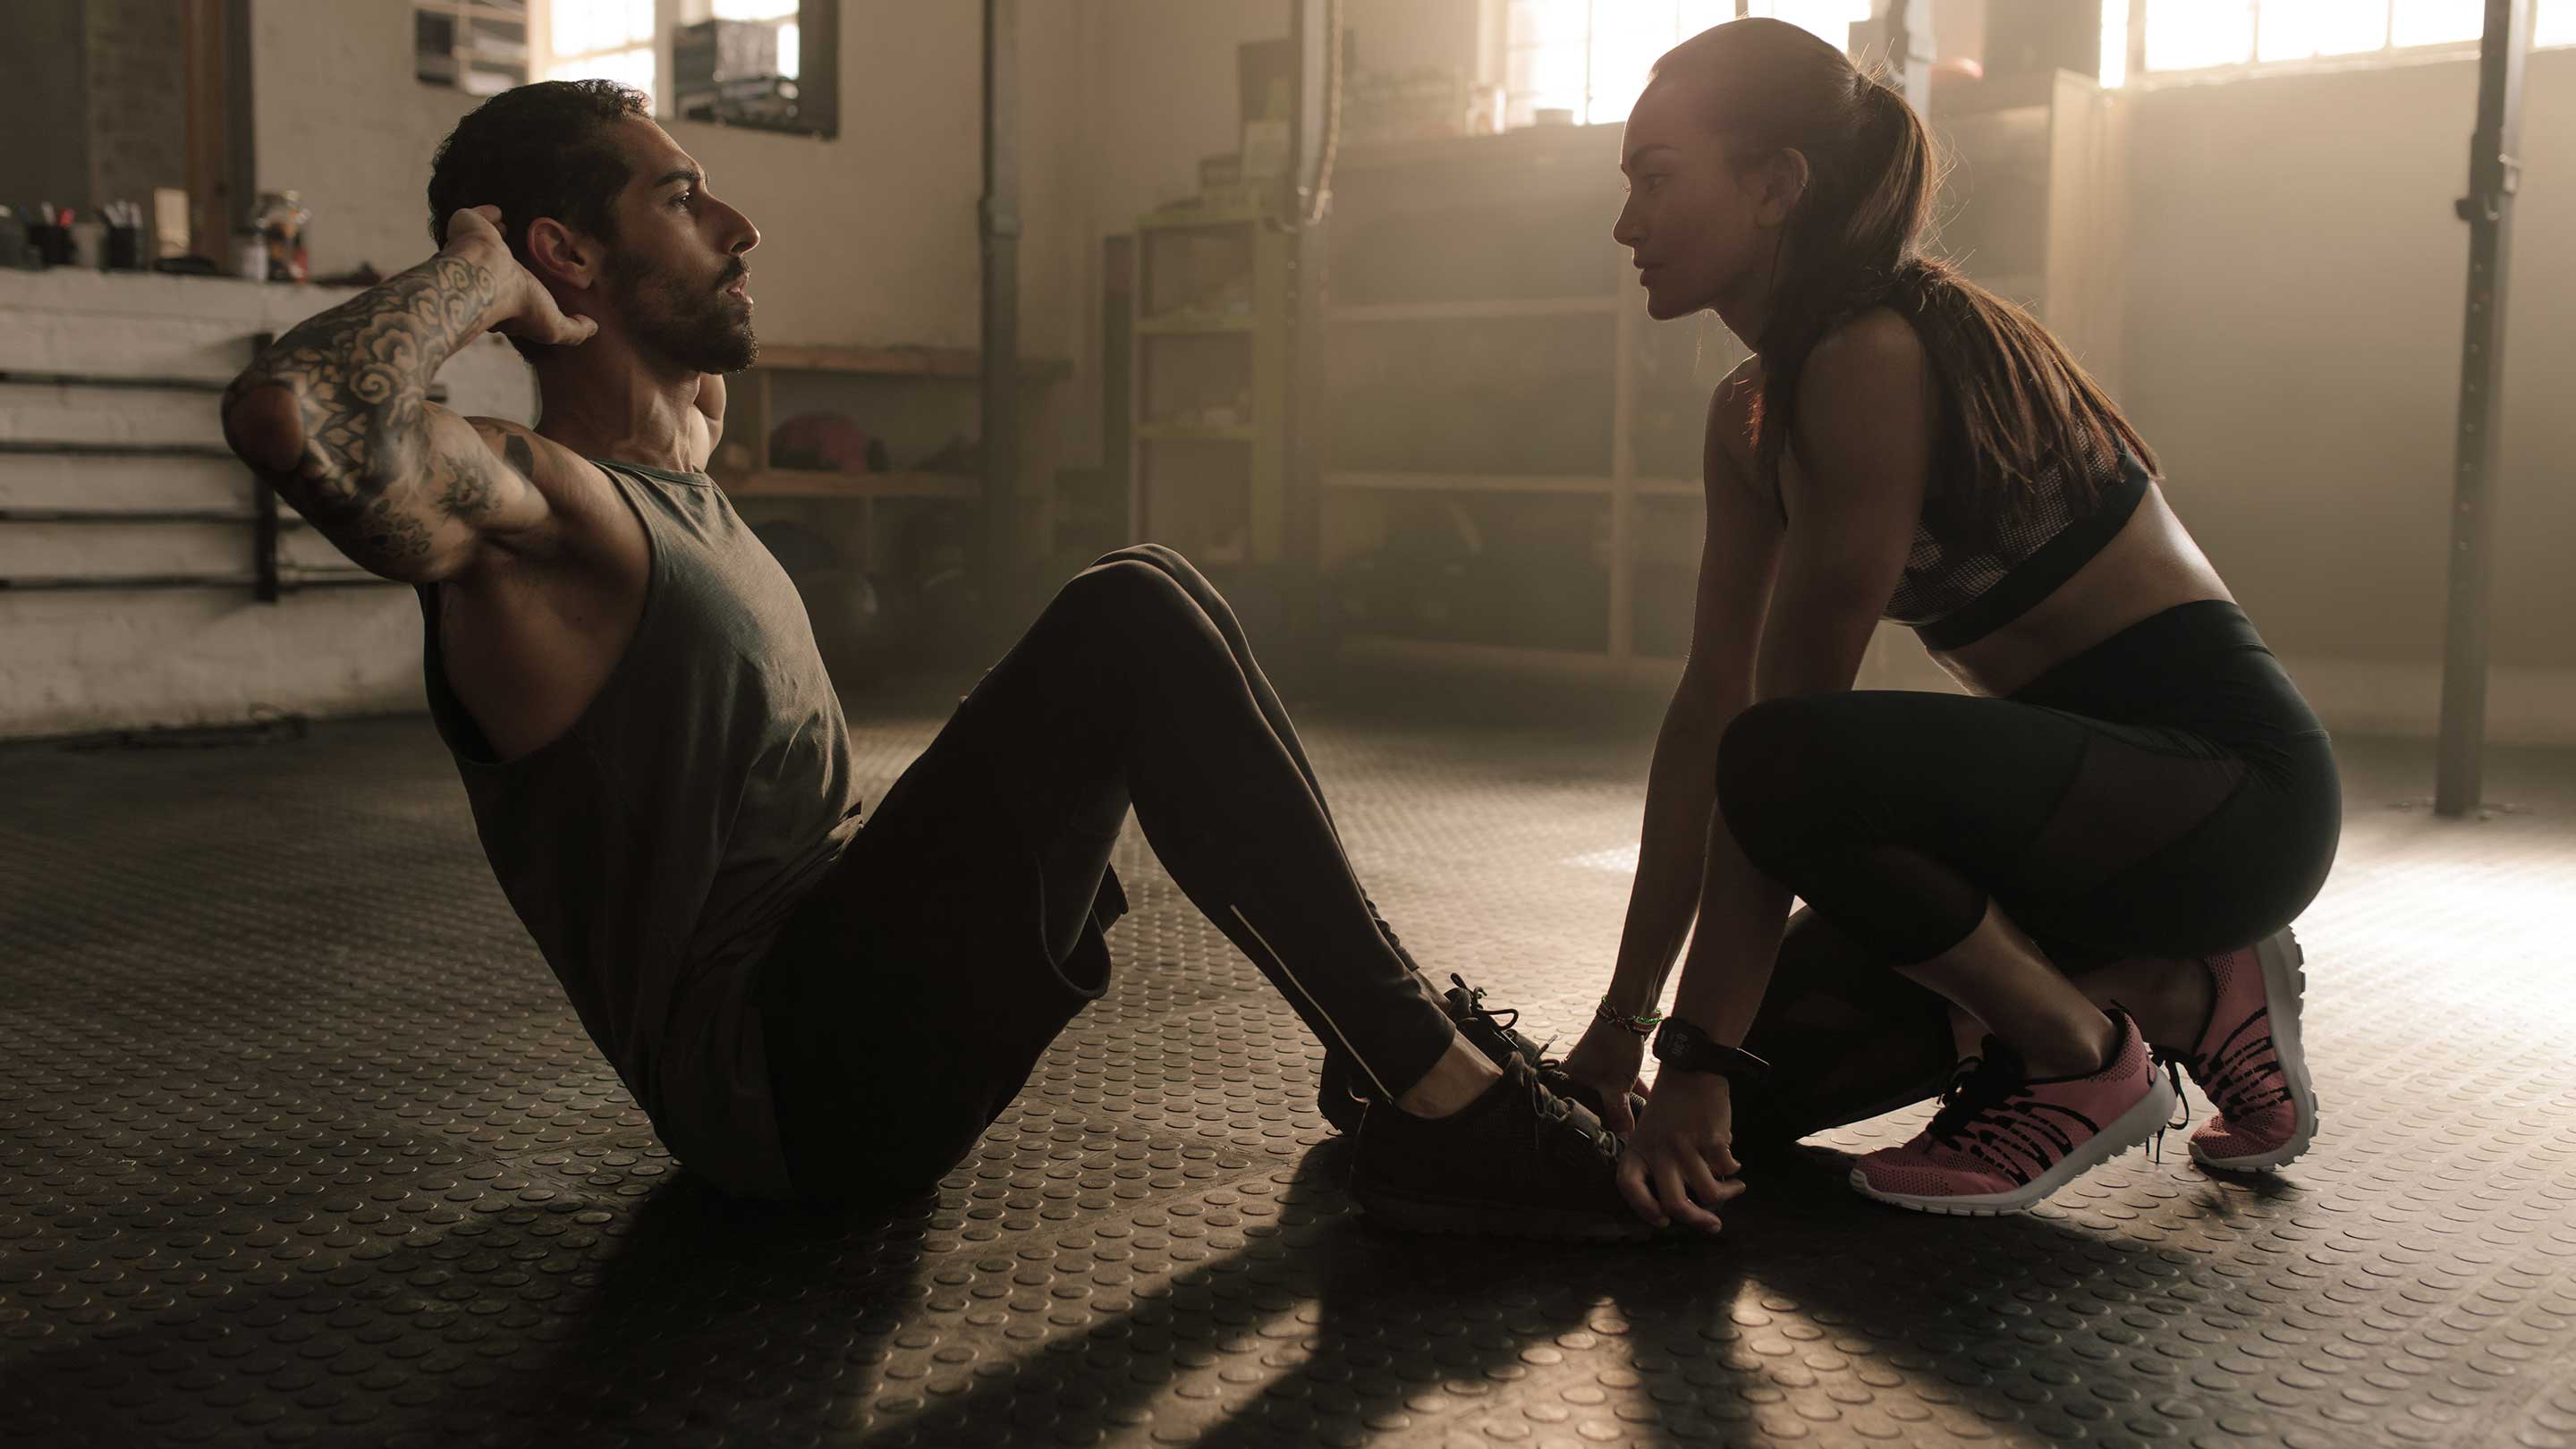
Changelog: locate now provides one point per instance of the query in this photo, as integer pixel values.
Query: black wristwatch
(1684, 1047)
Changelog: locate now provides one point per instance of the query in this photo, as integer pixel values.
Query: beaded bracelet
(1640, 1025)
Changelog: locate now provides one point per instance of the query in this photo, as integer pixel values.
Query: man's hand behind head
(521, 306)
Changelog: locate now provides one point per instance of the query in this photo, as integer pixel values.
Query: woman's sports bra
(1951, 600)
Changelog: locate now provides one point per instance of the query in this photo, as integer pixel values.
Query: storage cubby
(1208, 390)
(1478, 393)
(1504, 570)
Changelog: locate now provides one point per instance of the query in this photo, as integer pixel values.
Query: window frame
(818, 55)
(1506, 54)
(656, 43)
(461, 15)
(2139, 77)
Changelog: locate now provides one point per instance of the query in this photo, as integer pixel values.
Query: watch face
(1677, 1044)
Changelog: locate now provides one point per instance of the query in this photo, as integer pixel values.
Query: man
(658, 767)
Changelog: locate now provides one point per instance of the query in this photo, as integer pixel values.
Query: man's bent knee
(1125, 591)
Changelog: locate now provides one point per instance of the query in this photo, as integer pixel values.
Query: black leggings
(2167, 793)
(961, 930)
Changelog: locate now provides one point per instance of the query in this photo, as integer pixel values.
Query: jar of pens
(46, 235)
(281, 221)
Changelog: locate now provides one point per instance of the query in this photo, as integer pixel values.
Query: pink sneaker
(2248, 1060)
(2002, 1141)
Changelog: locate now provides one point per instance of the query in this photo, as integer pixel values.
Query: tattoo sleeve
(360, 375)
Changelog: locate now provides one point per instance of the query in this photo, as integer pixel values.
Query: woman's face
(1701, 227)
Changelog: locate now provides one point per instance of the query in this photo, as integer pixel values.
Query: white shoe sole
(2284, 986)
(2130, 1129)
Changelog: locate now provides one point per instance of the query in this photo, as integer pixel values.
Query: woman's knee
(1771, 774)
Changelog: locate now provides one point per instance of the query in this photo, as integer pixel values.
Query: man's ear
(560, 256)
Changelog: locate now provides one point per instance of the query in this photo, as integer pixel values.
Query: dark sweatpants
(919, 983)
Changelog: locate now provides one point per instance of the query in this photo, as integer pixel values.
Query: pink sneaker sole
(2129, 1130)
(2284, 986)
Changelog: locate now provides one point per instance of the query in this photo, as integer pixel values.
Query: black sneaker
(1489, 1030)
(1519, 1161)
(1343, 1097)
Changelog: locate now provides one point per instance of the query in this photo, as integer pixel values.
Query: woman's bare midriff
(2149, 566)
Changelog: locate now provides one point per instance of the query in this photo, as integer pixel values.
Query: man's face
(676, 273)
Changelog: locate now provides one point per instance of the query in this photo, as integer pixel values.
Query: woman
(2132, 791)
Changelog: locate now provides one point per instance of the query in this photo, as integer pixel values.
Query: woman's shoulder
(1732, 406)
(1867, 371)
(1861, 353)
(1868, 343)
(1738, 393)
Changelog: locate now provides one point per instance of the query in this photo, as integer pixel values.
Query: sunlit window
(1589, 58)
(478, 46)
(730, 62)
(603, 40)
(781, 11)
(2209, 34)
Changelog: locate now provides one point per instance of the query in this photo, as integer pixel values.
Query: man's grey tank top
(656, 847)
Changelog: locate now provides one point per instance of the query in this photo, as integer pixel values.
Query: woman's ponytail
(2016, 406)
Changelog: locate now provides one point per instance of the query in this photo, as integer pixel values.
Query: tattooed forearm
(360, 375)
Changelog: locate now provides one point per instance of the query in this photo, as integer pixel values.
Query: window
(780, 15)
(2200, 35)
(1590, 57)
(737, 62)
(478, 46)
(603, 40)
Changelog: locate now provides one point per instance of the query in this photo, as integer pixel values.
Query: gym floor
(300, 1144)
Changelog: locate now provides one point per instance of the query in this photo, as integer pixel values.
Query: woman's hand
(1606, 1060)
(1680, 1162)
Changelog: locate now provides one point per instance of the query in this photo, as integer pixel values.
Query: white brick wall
(99, 659)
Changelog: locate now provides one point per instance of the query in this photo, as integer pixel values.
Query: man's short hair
(537, 150)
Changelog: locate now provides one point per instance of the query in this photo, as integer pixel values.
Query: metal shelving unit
(881, 387)
(1512, 393)
(1208, 393)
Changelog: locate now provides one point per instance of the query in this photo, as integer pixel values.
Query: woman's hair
(2015, 403)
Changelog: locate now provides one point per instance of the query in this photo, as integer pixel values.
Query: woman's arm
(1738, 557)
(1863, 437)
(1863, 440)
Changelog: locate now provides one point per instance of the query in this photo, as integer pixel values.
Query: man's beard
(696, 328)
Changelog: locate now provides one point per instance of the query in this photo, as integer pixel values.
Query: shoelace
(1502, 1019)
(1549, 1072)
(2171, 1063)
(1979, 1116)
(1550, 1109)
(1976, 1089)
(2159, 1057)
(2232, 1073)
(1982, 1097)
